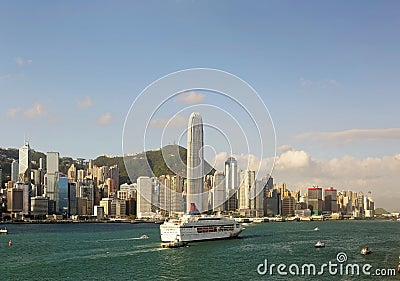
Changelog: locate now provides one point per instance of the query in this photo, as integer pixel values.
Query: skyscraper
(24, 170)
(219, 191)
(232, 185)
(51, 178)
(144, 187)
(315, 199)
(195, 164)
(52, 162)
(14, 170)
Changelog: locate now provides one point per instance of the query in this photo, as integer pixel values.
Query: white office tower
(218, 192)
(144, 189)
(195, 165)
(51, 177)
(52, 162)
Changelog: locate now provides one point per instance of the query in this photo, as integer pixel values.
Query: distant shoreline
(158, 221)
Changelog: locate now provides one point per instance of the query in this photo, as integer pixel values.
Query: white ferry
(198, 228)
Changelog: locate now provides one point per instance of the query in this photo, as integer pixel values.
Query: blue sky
(69, 70)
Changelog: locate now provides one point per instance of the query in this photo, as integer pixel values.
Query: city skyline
(329, 84)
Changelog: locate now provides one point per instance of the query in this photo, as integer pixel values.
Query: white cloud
(36, 110)
(105, 119)
(176, 122)
(12, 112)
(85, 103)
(304, 82)
(21, 61)
(284, 148)
(293, 159)
(190, 98)
(353, 134)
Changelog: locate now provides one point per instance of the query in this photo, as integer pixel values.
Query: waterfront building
(14, 170)
(314, 200)
(86, 197)
(39, 206)
(72, 201)
(99, 212)
(257, 199)
(106, 204)
(331, 204)
(51, 190)
(51, 180)
(118, 208)
(195, 164)
(144, 197)
(218, 192)
(369, 206)
(114, 179)
(62, 187)
(232, 184)
(15, 199)
(268, 182)
(288, 206)
(273, 203)
(170, 194)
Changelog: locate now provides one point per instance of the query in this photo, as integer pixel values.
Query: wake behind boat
(198, 228)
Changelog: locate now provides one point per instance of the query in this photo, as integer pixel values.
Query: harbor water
(114, 251)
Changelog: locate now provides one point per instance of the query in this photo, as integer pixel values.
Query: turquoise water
(111, 252)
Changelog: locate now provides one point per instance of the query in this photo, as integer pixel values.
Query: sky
(327, 71)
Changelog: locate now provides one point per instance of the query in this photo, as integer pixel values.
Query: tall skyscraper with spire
(195, 165)
(24, 169)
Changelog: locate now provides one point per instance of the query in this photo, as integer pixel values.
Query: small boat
(174, 244)
(4, 231)
(398, 266)
(10, 243)
(365, 251)
(316, 229)
(144, 236)
(258, 220)
(319, 244)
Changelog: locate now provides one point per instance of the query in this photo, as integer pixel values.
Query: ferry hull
(169, 235)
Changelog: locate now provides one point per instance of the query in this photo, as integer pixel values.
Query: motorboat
(4, 231)
(144, 236)
(365, 251)
(319, 244)
(174, 244)
(316, 229)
